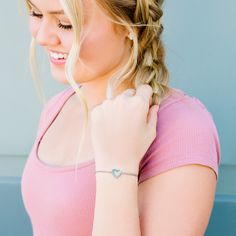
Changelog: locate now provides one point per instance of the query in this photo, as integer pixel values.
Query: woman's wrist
(115, 168)
(104, 180)
(117, 172)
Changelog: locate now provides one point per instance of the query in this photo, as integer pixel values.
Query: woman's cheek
(91, 46)
(66, 39)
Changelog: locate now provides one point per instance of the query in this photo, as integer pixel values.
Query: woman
(148, 154)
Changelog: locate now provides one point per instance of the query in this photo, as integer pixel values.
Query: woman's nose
(46, 35)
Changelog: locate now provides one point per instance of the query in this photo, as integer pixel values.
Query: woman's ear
(131, 36)
(121, 30)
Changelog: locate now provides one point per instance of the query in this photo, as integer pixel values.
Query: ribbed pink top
(59, 204)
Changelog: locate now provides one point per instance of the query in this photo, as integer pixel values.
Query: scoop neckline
(62, 101)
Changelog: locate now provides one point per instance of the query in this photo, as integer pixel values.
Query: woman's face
(102, 49)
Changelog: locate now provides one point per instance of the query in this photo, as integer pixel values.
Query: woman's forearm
(116, 206)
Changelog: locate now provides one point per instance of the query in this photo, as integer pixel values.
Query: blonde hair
(146, 63)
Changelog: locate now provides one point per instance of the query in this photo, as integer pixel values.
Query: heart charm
(116, 173)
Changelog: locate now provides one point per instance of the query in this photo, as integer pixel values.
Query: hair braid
(151, 66)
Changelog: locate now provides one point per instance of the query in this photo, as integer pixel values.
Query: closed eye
(66, 27)
(60, 25)
(34, 14)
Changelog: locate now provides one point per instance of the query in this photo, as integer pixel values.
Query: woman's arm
(116, 206)
(177, 202)
(122, 130)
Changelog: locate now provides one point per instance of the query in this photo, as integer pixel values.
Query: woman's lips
(58, 58)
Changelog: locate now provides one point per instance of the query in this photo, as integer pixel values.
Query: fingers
(145, 91)
(129, 92)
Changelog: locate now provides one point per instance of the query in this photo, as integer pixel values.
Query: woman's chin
(58, 74)
(61, 78)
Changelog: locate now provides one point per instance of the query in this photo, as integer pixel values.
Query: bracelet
(116, 172)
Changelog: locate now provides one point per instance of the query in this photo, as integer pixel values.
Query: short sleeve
(186, 134)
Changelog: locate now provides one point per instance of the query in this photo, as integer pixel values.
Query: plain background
(200, 45)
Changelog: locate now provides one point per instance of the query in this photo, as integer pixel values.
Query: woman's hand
(122, 129)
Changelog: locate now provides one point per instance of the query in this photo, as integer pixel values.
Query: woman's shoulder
(52, 105)
(186, 134)
(54, 100)
(177, 95)
(183, 114)
(179, 103)
(58, 96)
(185, 117)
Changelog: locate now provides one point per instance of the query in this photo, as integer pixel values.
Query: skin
(100, 38)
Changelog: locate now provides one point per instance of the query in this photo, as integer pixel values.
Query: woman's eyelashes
(60, 25)
(34, 14)
(67, 27)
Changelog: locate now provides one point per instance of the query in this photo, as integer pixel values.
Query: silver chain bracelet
(116, 172)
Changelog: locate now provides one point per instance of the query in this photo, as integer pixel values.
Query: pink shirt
(58, 204)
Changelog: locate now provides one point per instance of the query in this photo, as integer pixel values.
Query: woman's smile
(58, 58)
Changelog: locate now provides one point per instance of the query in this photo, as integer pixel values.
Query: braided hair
(151, 68)
(147, 60)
